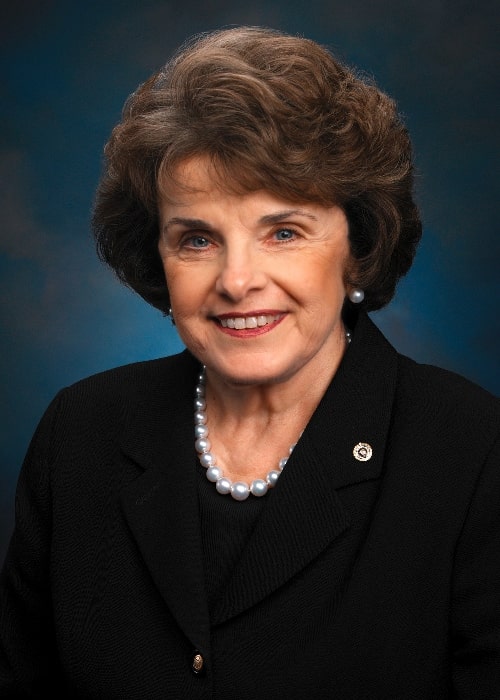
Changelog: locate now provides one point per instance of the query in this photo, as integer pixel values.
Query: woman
(331, 526)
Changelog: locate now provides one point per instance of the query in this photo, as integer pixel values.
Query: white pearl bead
(258, 487)
(240, 491)
(213, 473)
(207, 459)
(223, 485)
(200, 417)
(200, 404)
(356, 296)
(200, 430)
(282, 463)
(202, 444)
(272, 477)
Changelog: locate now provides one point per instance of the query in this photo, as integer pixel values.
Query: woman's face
(255, 281)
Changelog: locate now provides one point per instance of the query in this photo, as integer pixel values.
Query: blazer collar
(304, 512)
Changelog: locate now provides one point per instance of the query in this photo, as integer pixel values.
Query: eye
(196, 241)
(285, 234)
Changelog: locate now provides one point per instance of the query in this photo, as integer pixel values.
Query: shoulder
(424, 394)
(431, 382)
(442, 403)
(134, 380)
(109, 398)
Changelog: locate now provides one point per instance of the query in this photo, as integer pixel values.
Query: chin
(247, 373)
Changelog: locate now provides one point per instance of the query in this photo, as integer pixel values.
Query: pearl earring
(170, 314)
(356, 296)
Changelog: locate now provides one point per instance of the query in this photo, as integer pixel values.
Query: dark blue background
(67, 68)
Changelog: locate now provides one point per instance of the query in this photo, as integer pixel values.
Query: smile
(243, 322)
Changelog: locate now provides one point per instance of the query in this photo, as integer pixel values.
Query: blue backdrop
(67, 68)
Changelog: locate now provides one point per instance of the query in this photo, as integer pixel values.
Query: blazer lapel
(305, 513)
(161, 506)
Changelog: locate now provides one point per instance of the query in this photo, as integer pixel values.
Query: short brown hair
(272, 111)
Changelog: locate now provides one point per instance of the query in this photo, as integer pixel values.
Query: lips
(244, 322)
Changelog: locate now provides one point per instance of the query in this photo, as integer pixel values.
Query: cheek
(339, 265)
(176, 284)
(328, 271)
(175, 273)
(188, 288)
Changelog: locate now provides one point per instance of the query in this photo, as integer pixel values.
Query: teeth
(242, 322)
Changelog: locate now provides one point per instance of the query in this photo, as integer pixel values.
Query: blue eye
(196, 242)
(285, 234)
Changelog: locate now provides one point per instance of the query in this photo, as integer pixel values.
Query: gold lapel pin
(362, 451)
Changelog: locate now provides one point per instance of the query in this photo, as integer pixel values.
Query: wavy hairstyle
(271, 111)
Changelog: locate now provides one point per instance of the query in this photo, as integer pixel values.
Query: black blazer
(374, 579)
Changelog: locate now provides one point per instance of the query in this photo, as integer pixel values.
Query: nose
(241, 271)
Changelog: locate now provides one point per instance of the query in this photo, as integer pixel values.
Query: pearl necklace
(239, 490)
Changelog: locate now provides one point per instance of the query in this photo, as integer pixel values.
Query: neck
(245, 399)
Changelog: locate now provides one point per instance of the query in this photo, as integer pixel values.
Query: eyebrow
(282, 215)
(266, 219)
(188, 223)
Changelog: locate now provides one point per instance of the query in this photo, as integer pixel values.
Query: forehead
(201, 181)
(197, 175)
(196, 184)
